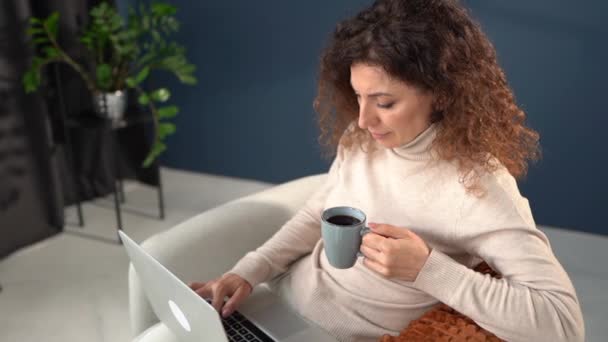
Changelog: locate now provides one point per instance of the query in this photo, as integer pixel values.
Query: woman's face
(393, 112)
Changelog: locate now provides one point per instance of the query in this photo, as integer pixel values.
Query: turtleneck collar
(420, 147)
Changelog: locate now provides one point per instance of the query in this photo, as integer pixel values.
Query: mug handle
(363, 231)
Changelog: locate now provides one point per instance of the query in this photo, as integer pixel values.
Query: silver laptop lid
(184, 312)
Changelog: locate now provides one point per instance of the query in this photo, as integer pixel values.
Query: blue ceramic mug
(342, 229)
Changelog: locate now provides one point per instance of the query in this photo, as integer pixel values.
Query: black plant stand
(90, 121)
(117, 177)
(66, 138)
(119, 194)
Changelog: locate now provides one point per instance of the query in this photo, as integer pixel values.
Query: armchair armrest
(209, 244)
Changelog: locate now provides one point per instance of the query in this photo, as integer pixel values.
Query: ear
(440, 103)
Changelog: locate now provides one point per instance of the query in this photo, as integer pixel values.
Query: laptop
(263, 316)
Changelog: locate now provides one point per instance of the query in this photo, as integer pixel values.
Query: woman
(429, 142)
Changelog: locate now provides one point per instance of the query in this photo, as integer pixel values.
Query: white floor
(70, 288)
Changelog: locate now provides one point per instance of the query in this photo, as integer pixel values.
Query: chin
(387, 144)
(388, 141)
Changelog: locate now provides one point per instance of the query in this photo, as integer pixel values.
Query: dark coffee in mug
(344, 220)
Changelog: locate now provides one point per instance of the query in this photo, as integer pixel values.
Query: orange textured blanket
(443, 323)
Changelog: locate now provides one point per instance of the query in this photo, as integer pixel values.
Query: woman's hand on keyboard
(229, 285)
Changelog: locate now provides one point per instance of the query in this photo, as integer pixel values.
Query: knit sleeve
(535, 299)
(297, 237)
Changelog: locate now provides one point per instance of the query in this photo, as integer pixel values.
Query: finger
(371, 254)
(219, 293)
(376, 267)
(195, 285)
(373, 240)
(206, 291)
(237, 298)
(388, 230)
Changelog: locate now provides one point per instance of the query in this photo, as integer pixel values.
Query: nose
(367, 117)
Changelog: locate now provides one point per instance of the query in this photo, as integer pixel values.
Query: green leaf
(145, 23)
(188, 68)
(51, 24)
(40, 40)
(148, 57)
(165, 129)
(51, 52)
(167, 112)
(115, 21)
(120, 50)
(126, 35)
(190, 80)
(87, 40)
(171, 62)
(162, 9)
(37, 62)
(158, 148)
(187, 79)
(171, 24)
(160, 95)
(31, 80)
(185, 74)
(130, 82)
(32, 31)
(143, 99)
(99, 10)
(104, 76)
(155, 35)
(34, 20)
(142, 75)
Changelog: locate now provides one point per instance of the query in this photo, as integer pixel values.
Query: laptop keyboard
(240, 329)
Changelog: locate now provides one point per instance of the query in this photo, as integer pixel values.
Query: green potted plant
(123, 54)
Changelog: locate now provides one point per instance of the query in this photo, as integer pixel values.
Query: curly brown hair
(434, 45)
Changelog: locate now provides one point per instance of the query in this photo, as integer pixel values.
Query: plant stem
(123, 71)
(66, 58)
(154, 113)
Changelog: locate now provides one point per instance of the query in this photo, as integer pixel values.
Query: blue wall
(554, 53)
(251, 115)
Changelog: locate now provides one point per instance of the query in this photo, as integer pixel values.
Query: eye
(385, 106)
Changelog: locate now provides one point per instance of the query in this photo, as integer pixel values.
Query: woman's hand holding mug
(394, 252)
(391, 251)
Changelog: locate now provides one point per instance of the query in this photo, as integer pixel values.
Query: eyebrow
(377, 94)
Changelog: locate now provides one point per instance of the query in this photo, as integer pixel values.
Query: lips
(378, 135)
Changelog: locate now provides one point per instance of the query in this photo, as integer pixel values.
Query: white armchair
(210, 243)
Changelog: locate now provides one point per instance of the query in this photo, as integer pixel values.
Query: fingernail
(225, 313)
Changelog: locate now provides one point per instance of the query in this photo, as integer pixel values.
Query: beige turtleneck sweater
(408, 187)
